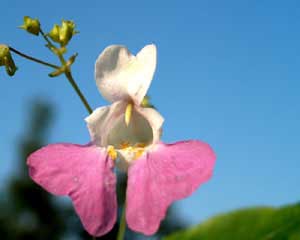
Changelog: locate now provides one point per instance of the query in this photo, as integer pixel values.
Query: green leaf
(258, 223)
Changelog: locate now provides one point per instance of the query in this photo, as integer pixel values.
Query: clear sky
(228, 73)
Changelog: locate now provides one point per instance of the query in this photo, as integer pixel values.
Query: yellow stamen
(138, 152)
(137, 149)
(140, 145)
(112, 152)
(128, 113)
(124, 144)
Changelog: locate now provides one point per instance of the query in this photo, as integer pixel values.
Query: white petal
(107, 126)
(123, 76)
(101, 120)
(155, 120)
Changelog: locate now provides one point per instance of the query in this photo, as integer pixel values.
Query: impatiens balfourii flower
(125, 135)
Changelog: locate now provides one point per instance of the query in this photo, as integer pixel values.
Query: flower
(127, 135)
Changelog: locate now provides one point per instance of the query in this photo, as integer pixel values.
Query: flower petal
(101, 121)
(155, 120)
(168, 173)
(107, 125)
(123, 76)
(84, 172)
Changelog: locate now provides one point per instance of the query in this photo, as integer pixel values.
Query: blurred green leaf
(258, 223)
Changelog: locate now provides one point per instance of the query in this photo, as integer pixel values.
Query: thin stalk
(33, 59)
(47, 39)
(68, 73)
(71, 80)
(122, 227)
(52, 46)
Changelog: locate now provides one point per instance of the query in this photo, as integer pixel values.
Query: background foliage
(257, 223)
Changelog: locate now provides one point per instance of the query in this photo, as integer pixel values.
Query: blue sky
(228, 73)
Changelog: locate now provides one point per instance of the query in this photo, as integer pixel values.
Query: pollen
(124, 145)
(112, 152)
(135, 150)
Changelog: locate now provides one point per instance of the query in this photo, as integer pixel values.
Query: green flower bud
(67, 31)
(31, 25)
(4, 51)
(146, 102)
(63, 34)
(54, 33)
(7, 60)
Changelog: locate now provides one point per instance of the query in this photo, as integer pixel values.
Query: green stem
(47, 39)
(68, 73)
(33, 59)
(71, 80)
(122, 227)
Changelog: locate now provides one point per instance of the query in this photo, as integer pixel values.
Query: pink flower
(125, 135)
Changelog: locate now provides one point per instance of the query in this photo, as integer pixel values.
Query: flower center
(130, 130)
(135, 151)
(129, 137)
(127, 153)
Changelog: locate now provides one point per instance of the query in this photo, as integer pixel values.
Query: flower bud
(31, 25)
(54, 33)
(7, 60)
(67, 31)
(63, 34)
(146, 102)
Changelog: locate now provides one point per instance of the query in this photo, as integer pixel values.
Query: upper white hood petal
(123, 76)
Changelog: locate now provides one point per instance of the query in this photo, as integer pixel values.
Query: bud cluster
(61, 34)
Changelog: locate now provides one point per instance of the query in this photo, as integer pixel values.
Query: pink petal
(84, 172)
(168, 173)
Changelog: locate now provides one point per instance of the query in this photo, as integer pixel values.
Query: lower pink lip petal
(170, 172)
(83, 172)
